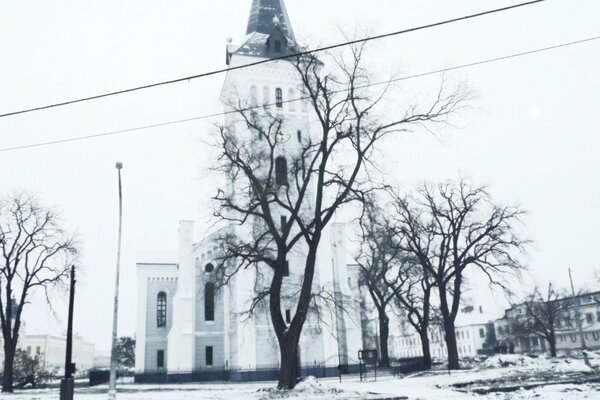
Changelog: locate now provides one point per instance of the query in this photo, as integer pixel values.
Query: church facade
(184, 323)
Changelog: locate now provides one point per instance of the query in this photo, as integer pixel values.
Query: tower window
(253, 95)
(281, 171)
(160, 359)
(299, 134)
(209, 356)
(288, 316)
(161, 310)
(278, 98)
(278, 46)
(291, 100)
(209, 301)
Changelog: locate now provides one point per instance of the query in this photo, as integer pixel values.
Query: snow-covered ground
(500, 377)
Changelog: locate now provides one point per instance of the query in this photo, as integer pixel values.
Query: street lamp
(112, 385)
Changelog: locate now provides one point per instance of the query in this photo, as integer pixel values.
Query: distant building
(52, 351)
(567, 332)
(474, 334)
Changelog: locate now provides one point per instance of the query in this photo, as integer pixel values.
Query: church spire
(266, 15)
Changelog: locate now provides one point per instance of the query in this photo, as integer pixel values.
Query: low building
(474, 335)
(567, 331)
(52, 351)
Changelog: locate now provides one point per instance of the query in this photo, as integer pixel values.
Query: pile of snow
(308, 388)
(507, 360)
(542, 362)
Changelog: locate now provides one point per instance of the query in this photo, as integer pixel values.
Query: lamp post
(66, 384)
(112, 385)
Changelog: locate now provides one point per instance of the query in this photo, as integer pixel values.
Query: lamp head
(119, 165)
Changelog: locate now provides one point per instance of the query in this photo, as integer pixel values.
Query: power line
(298, 54)
(207, 116)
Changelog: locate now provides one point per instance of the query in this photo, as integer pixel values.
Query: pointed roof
(266, 15)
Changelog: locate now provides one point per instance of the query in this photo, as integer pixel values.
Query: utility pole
(578, 318)
(67, 384)
(112, 385)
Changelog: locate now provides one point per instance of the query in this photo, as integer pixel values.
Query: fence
(271, 373)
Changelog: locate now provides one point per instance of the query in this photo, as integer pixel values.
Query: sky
(531, 135)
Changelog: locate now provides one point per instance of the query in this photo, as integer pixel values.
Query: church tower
(184, 324)
(276, 85)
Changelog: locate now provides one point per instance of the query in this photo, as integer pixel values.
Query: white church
(184, 324)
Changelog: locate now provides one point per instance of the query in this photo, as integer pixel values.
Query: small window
(278, 46)
(283, 222)
(500, 330)
(209, 268)
(161, 310)
(278, 98)
(589, 318)
(299, 134)
(160, 359)
(281, 171)
(209, 301)
(481, 332)
(209, 356)
(288, 316)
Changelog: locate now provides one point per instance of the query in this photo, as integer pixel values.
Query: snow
(500, 377)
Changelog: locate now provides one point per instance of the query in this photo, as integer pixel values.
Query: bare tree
(36, 255)
(282, 197)
(452, 228)
(545, 316)
(412, 287)
(378, 254)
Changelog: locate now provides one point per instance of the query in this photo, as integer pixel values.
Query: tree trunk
(384, 334)
(450, 337)
(552, 343)
(9, 359)
(425, 348)
(449, 330)
(289, 371)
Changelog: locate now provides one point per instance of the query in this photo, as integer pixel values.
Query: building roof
(266, 15)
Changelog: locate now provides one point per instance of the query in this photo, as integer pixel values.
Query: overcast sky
(533, 137)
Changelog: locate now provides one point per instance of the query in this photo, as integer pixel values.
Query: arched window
(253, 95)
(209, 301)
(266, 96)
(281, 171)
(209, 268)
(161, 310)
(278, 98)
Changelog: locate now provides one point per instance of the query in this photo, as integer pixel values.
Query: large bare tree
(452, 228)
(413, 287)
(377, 257)
(36, 255)
(282, 197)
